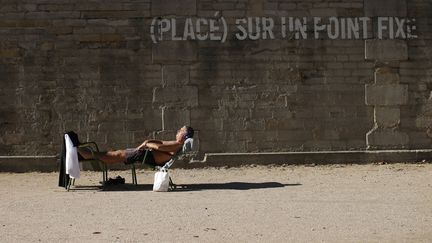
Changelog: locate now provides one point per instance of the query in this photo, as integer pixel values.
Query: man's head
(184, 133)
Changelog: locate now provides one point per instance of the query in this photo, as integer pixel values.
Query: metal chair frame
(98, 164)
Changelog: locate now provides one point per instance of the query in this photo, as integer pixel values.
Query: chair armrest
(188, 145)
(89, 145)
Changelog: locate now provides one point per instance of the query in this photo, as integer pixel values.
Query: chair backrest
(187, 147)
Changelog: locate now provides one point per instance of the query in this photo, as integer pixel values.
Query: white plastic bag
(161, 181)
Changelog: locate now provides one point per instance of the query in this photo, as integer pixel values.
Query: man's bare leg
(110, 157)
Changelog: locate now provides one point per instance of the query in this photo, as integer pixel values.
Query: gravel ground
(338, 203)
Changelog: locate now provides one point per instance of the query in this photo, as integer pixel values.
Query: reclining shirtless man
(158, 152)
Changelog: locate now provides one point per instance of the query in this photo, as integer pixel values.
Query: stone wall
(92, 67)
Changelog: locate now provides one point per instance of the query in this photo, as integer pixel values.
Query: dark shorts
(137, 156)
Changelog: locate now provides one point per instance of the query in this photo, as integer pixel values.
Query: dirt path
(355, 203)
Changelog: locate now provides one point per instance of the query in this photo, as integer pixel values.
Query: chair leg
(134, 177)
(132, 171)
(171, 184)
(103, 177)
(71, 182)
(104, 173)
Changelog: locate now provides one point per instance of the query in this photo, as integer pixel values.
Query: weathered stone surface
(173, 7)
(388, 117)
(174, 118)
(386, 94)
(323, 12)
(93, 68)
(174, 52)
(186, 96)
(386, 50)
(175, 75)
(386, 76)
(386, 139)
(373, 8)
(149, 120)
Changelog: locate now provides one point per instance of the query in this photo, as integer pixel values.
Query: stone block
(175, 75)
(186, 96)
(11, 138)
(386, 50)
(323, 12)
(115, 14)
(88, 38)
(340, 4)
(173, 7)
(423, 122)
(233, 13)
(361, 72)
(256, 8)
(210, 123)
(174, 52)
(386, 75)
(174, 118)
(386, 138)
(150, 121)
(69, 22)
(286, 6)
(373, 8)
(387, 94)
(111, 38)
(115, 137)
(387, 116)
(14, 52)
(150, 75)
(165, 135)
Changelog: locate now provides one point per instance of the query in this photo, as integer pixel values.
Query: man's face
(181, 133)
